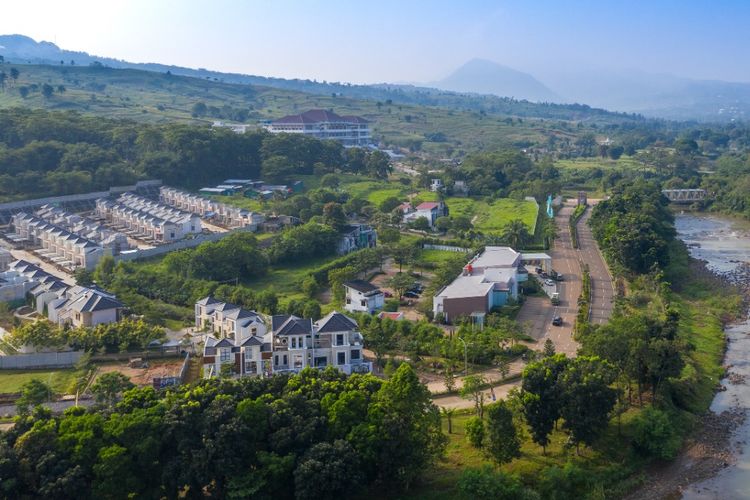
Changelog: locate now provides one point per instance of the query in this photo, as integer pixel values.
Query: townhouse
(148, 219)
(221, 213)
(240, 342)
(57, 243)
(85, 228)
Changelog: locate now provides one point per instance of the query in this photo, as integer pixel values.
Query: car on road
(557, 321)
(559, 277)
(549, 282)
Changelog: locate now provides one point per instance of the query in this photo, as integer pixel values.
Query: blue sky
(406, 40)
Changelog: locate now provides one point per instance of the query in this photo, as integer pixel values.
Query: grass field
(439, 256)
(492, 217)
(624, 162)
(11, 381)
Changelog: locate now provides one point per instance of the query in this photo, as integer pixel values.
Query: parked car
(555, 299)
(549, 282)
(538, 270)
(411, 295)
(557, 321)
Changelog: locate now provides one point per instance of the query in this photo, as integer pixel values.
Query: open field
(167, 367)
(624, 162)
(60, 380)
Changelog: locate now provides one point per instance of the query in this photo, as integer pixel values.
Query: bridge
(685, 195)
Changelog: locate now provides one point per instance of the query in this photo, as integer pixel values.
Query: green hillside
(158, 97)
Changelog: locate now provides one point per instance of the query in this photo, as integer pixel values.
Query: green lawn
(11, 381)
(492, 217)
(239, 200)
(625, 162)
(439, 256)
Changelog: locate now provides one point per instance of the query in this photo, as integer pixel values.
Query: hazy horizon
(396, 42)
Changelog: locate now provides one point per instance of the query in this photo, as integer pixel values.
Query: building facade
(325, 125)
(363, 296)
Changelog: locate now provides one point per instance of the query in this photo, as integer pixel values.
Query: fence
(145, 253)
(40, 360)
(447, 248)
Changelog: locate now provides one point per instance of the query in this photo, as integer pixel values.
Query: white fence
(40, 360)
(178, 245)
(447, 248)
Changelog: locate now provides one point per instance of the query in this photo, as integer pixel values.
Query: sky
(400, 40)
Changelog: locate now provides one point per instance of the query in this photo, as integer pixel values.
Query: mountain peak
(482, 76)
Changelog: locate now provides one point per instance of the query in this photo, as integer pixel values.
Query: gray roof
(295, 326)
(336, 322)
(362, 286)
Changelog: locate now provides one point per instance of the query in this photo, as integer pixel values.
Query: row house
(85, 227)
(226, 215)
(158, 222)
(241, 340)
(57, 243)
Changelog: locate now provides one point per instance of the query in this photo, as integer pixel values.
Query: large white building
(323, 124)
(489, 280)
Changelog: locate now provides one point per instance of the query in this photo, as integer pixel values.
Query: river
(725, 246)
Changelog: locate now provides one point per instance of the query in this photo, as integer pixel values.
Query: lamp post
(466, 356)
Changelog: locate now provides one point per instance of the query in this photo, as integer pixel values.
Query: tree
(654, 434)
(199, 109)
(503, 367)
(516, 234)
(33, 393)
(448, 414)
(443, 224)
(334, 216)
(330, 181)
(47, 90)
(490, 484)
(400, 283)
(312, 310)
(14, 73)
(378, 339)
(475, 431)
(420, 224)
(109, 386)
(328, 471)
(541, 397)
(402, 253)
(23, 91)
(389, 204)
(472, 389)
(449, 378)
(503, 444)
(587, 398)
(549, 348)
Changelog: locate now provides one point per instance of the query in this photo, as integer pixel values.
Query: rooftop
(318, 116)
(496, 257)
(361, 286)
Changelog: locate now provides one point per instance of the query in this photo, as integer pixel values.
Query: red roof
(319, 116)
(428, 205)
(391, 315)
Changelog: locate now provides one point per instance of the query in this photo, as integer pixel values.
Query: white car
(549, 282)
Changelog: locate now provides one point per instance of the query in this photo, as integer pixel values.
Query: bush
(491, 484)
(654, 434)
(475, 431)
(391, 305)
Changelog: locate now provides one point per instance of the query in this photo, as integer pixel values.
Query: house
(436, 185)
(393, 316)
(356, 237)
(291, 345)
(430, 210)
(217, 212)
(14, 286)
(324, 125)
(460, 188)
(5, 259)
(489, 280)
(80, 306)
(363, 296)
(334, 340)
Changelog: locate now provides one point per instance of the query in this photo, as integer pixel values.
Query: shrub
(488, 483)
(475, 431)
(654, 434)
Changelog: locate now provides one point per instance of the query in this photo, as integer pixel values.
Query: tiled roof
(318, 116)
(427, 205)
(295, 326)
(336, 322)
(361, 286)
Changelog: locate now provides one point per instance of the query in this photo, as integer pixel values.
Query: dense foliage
(312, 435)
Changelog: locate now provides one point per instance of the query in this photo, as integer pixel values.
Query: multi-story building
(81, 306)
(323, 124)
(363, 296)
(87, 228)
(5, 259)
(430, 210)
(240, 340)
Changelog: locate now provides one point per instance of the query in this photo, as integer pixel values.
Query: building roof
(395, 316)
(92, 301)
(428, 205)
(336, 322)
(361, 286)
(496, 257)
(466, 286)
(208, 300)
(317, 116)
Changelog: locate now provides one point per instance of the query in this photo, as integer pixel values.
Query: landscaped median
(573, 223)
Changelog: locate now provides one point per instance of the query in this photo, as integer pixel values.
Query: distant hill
(22, 49)
(481, 76)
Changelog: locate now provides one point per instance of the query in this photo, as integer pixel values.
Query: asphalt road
(602, 291)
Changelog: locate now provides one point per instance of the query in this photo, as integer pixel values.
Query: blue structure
(550, 212)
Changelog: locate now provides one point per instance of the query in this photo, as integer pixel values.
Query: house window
(363, 303)
(294, 342)
(339, 339)
(341, 358)
(224, 356)
(355, 354)
(286, 359)
(348, 300)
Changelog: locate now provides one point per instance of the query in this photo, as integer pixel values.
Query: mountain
(480, 76)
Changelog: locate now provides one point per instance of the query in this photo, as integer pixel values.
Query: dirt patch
(705, 454)
(144, 376)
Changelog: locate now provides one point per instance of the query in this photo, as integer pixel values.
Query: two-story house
(430, 210)
(363, 296)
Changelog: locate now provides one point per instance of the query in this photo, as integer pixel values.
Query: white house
(489, 280)
(356, 237)
(5, 259)
(430, 210)
(436, 185)
(14, 286)
(363, 296)
(80, 306)
(221, 213)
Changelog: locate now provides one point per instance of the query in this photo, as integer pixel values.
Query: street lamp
(466, 356)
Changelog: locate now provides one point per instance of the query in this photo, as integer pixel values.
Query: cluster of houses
(147, 219)
(62, 243)
(429, 210)
(249, 344)
(220, 213)
(63, 304)
(252, 189)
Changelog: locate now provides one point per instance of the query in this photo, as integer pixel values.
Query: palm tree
(516, 234)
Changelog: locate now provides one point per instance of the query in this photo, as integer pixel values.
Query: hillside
(157, 97)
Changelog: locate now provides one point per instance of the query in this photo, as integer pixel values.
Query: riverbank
(714, 447)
